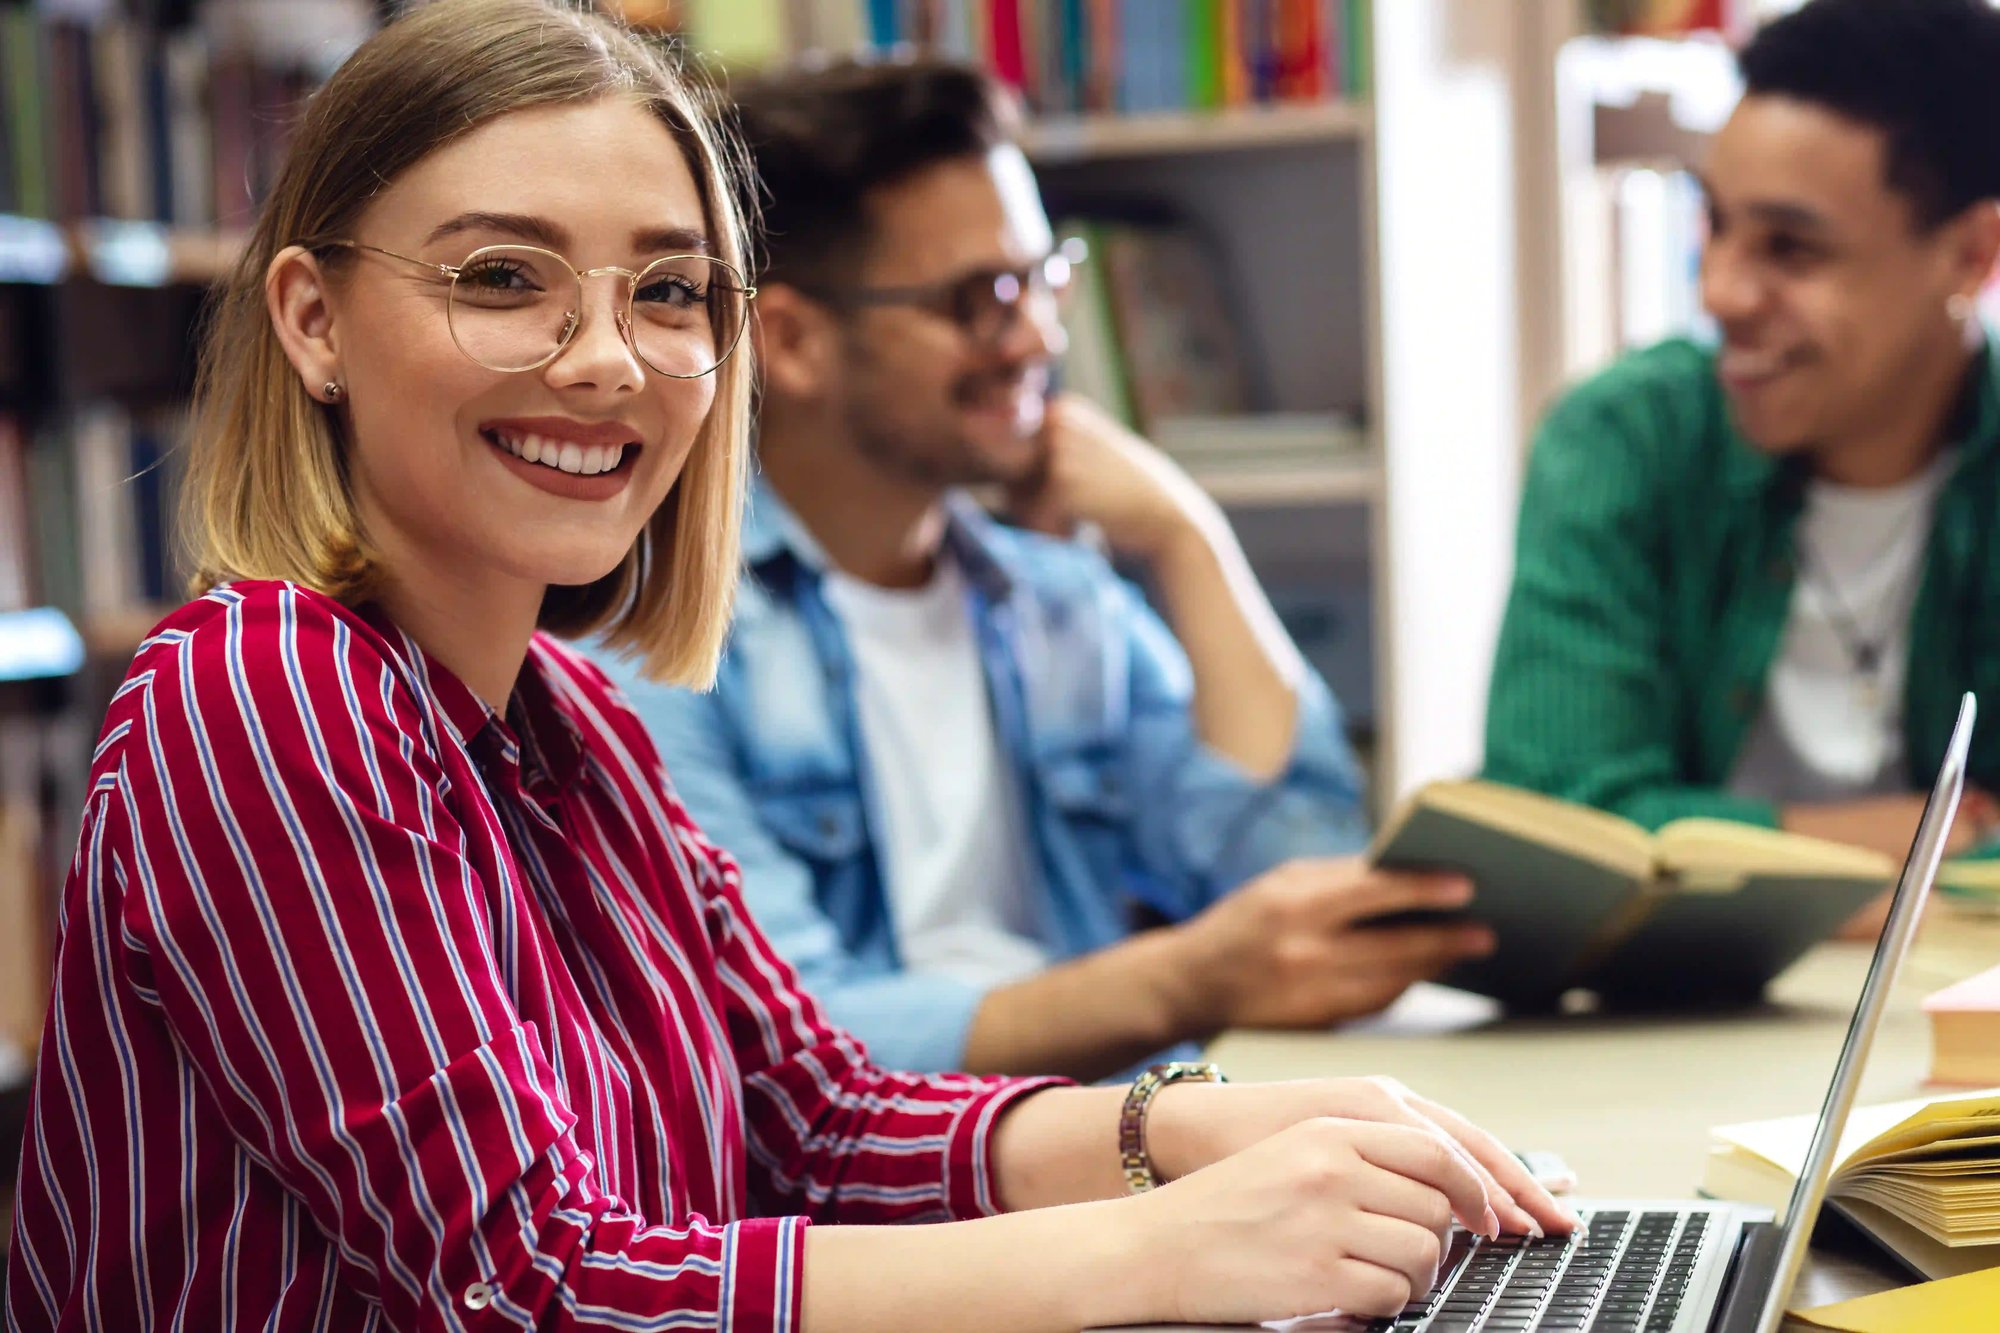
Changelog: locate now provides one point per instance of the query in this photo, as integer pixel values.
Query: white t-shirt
(953, 846)
(1823, 734)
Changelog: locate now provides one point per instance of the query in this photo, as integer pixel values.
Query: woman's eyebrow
(676, 240)
(526, 226)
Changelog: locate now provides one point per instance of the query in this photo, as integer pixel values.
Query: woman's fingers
(1404, 1250)
(1429, 1157)
(1518, 1191)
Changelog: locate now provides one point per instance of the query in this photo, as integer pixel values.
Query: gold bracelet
(1133, 1158)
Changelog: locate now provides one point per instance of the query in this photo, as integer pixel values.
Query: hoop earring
(333, 391)
(1959, 306)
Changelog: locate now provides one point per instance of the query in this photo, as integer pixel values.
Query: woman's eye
(671, 291)
(496, 276)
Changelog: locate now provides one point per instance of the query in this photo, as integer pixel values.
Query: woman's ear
(798, 347)
(295, 293)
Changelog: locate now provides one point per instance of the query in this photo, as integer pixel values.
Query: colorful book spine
(1006, 55)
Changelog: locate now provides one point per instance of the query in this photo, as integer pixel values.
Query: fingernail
(1492, 1223)
(1534, 1228)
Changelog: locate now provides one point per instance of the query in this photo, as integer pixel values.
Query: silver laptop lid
(1919, 872)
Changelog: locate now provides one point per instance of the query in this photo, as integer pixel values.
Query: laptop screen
(1919, 871)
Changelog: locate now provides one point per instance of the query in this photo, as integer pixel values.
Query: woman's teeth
(584, 460)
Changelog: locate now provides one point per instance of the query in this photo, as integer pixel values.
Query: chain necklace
(1864, 648)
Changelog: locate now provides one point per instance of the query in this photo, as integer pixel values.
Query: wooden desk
(1629, 1101)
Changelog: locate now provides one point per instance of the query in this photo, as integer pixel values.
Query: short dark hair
(1924, 72)
(824, 138)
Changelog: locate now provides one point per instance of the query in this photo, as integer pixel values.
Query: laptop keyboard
(1628, 1277)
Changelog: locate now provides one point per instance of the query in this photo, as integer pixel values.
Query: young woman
(395, 989)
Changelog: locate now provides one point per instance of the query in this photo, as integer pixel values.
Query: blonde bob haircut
(267, 492)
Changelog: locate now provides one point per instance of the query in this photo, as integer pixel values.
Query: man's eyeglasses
(984, 304)
(515, 307)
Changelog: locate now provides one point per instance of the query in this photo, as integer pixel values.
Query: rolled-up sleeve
(831, 1133)
(1201, 823)
(299, 908)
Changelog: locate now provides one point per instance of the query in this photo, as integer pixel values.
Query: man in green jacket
(1752, 581)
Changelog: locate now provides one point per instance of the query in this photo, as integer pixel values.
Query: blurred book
(1153, 332)
(1169, 292)
(1661, 18)
(1093, 364)
(106, 115)
(17, 583)
(1921, 1177)
(25, 887)
(1965, 1031)
(98, 543)
(1703, 912)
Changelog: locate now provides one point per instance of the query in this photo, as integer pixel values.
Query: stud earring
(333, 391)
(1959, 306)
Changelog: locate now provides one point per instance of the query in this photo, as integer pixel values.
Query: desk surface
(1629, 1101)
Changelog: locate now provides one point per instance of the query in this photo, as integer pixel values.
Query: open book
(1701, 912)
(1921, 1177)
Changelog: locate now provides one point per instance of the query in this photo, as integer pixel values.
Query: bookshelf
(135, 139)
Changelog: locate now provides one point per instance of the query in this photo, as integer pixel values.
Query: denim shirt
(1091, 699)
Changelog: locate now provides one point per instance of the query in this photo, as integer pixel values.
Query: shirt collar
(778, 547)
(540, 734)
(1975, 432)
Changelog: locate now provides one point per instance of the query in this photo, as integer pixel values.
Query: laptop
(1680, 1266)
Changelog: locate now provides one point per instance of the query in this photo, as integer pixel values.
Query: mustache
(983, 384)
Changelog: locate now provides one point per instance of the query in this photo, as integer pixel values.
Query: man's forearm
(1095, 1015)
(1246, 670)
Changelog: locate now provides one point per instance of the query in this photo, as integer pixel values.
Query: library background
(1426, 215)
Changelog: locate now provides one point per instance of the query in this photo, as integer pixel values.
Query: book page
(1574, 830)
(1717, 855)
(1872, 1131)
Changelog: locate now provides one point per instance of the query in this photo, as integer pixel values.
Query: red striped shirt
(374, 1009)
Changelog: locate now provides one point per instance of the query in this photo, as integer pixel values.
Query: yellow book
(1921, 1177)
(1702, 912)
(1956, 1302)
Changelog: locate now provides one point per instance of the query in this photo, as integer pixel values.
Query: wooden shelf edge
(1334, 481)
(137, 254)
(1064, 139)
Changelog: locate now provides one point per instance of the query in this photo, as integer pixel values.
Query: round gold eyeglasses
(515, 307)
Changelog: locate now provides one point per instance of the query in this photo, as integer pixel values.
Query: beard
(929, 448)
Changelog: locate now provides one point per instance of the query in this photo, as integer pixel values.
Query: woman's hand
(1191, 1125)
(1325, 1214)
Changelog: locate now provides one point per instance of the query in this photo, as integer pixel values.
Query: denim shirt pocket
(1084, 786)
(822, 824)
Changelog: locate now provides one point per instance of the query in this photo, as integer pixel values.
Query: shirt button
(478, 1296)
